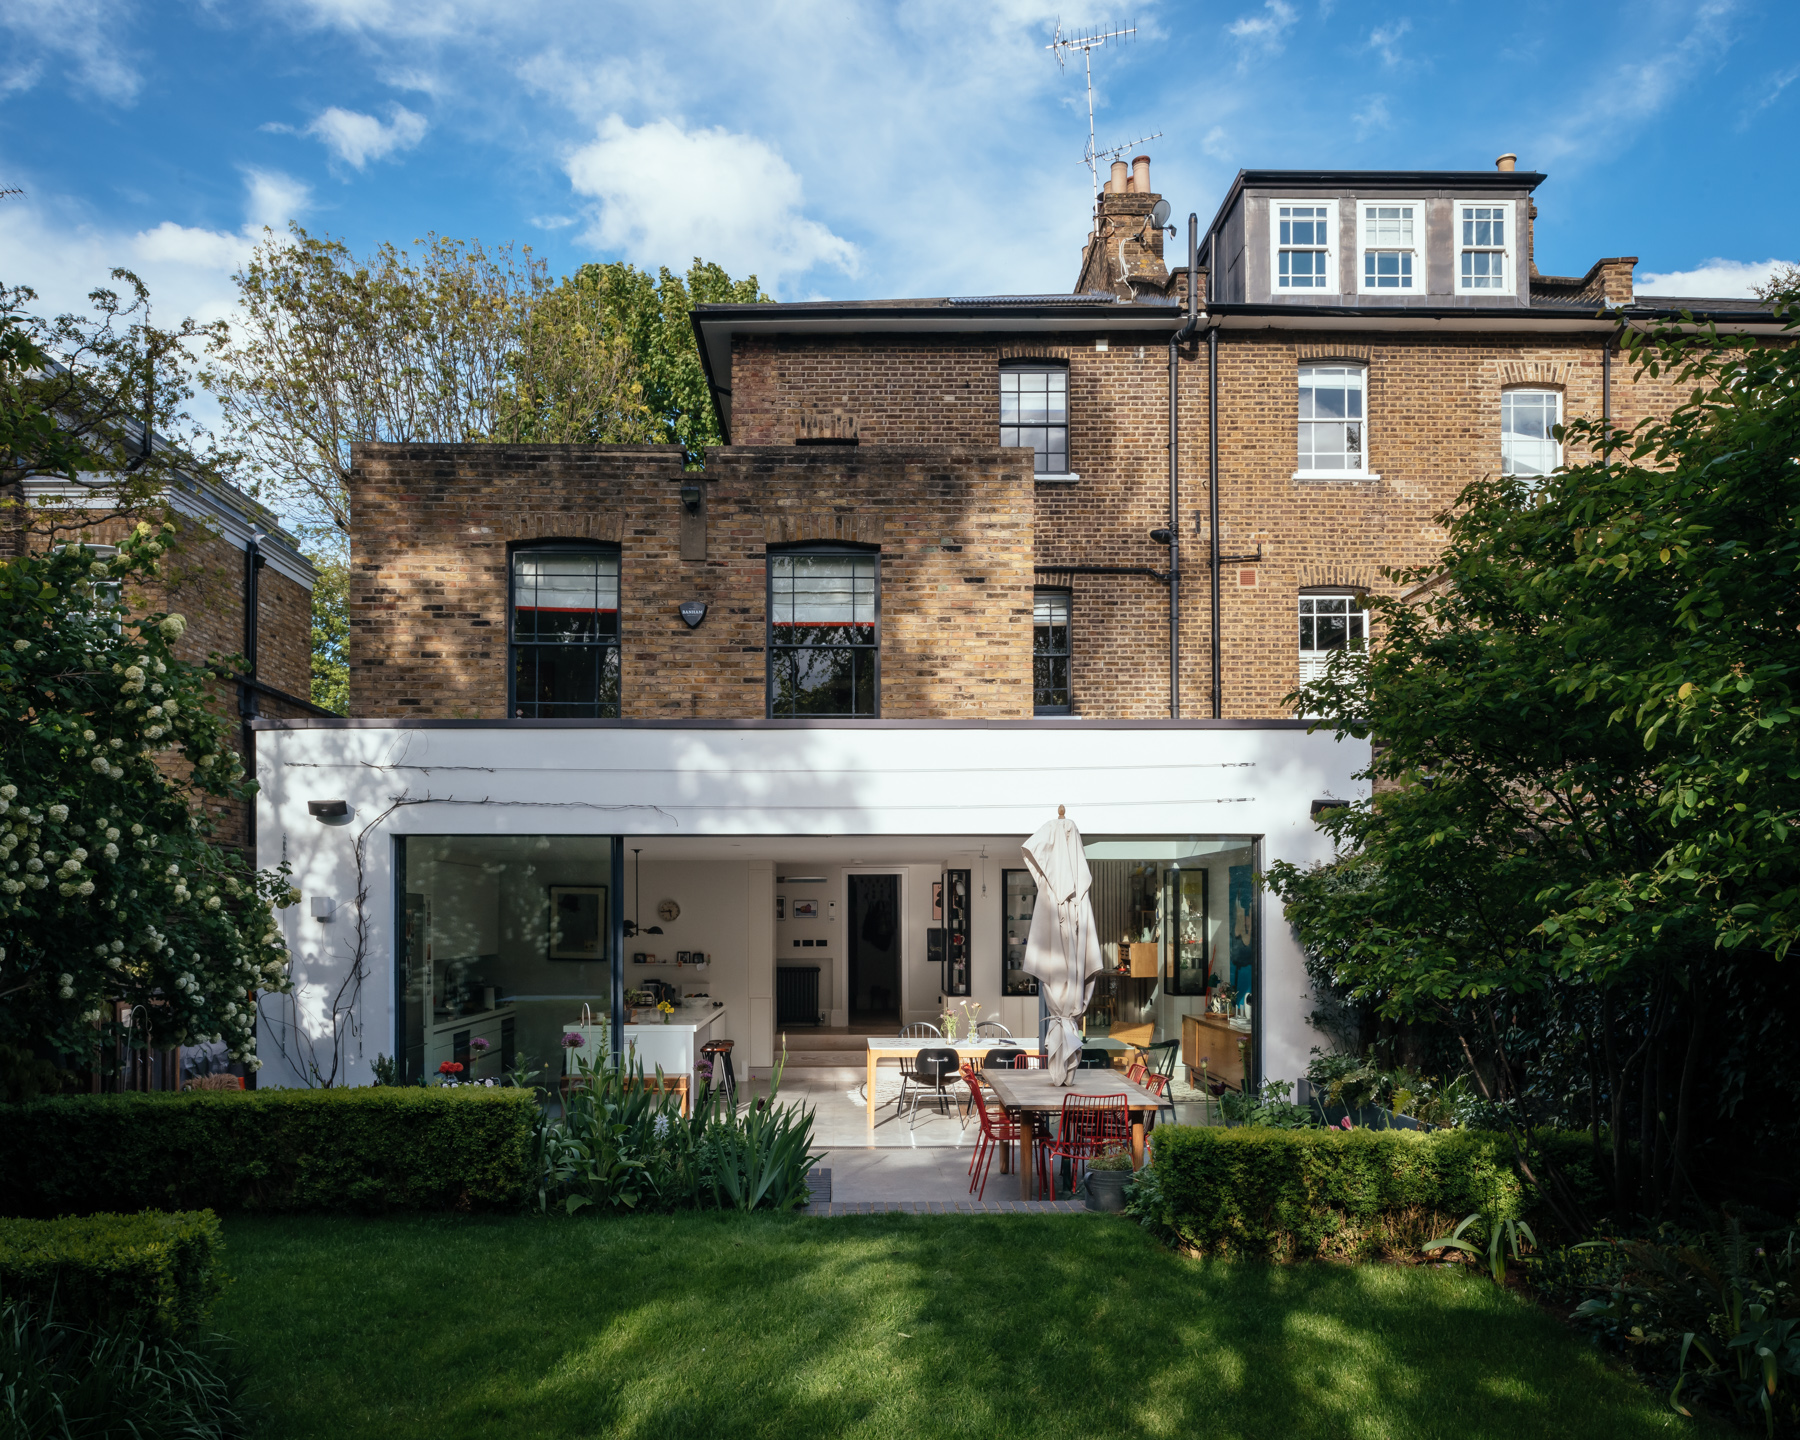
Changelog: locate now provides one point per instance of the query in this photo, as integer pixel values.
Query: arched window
(824, 631)
(564, 631)
(1528, 420)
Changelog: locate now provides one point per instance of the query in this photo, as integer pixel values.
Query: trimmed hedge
(155, 1272)
(1294, 1194)
(371, 1150)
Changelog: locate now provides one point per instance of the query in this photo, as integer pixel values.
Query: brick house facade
(879, 420)
(962, 503)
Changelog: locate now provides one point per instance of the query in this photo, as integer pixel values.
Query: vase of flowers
(665, 1009)
(947, 1023)
(449, 1070)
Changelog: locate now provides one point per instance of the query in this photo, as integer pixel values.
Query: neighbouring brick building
(954, 566)
(1394, 326)
(232, 572)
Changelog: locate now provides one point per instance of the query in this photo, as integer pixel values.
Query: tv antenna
(1088, 41)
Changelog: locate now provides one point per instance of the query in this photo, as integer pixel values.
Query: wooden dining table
(1034, 1096)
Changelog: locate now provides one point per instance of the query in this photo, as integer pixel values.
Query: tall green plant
(1578, 861)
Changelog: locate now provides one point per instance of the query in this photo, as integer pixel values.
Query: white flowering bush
(110, 886)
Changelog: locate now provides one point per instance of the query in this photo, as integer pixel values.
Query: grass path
(1003, 1328)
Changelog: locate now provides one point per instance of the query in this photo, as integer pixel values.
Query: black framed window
(824, 626)
(1050, 652)
(1034, 412)
(564, 639)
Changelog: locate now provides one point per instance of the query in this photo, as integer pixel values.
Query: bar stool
(719, 1052)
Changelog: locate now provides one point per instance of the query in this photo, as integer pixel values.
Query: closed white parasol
(1063, 950)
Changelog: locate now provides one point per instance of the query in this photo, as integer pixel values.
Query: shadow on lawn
(902, 1326)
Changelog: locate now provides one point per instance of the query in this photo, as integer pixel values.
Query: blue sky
(852, 150)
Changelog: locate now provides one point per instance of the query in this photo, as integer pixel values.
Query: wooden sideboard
(1211, 1038)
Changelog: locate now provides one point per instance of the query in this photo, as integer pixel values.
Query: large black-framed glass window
(1050, 652)
(1034, 412)
(564, 638)
(824, 632)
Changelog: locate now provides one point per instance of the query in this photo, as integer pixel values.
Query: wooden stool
(719, 1052)
(667, 1085)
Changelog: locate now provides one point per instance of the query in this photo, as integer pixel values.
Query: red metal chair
(1158, 1085)
(1136, 1071)
(994, 1134)
(1090, 1125)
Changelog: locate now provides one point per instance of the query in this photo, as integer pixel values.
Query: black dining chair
(1005, 1058)
(933, 1069)
(918, 1030)
(1095, 1059)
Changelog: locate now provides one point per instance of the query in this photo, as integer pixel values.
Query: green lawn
(992, 1327)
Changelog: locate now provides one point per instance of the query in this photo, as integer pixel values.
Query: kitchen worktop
(686, 1017)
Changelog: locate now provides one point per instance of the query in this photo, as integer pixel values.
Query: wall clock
(668, 910)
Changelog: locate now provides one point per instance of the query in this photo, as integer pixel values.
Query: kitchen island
(675, 1047)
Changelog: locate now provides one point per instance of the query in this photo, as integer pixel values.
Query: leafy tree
(331, 636)
(1578, 859)
(453, 345)
(75, 395)
(110, 890)
(654, 314)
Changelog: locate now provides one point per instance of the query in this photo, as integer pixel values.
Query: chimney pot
(1120, 181)
(1140, 174)
(1506, 164)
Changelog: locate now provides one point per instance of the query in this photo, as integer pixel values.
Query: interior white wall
(723, 914)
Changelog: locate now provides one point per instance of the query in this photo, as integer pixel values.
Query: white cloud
(553, 222)
(1216, 143)
(1715, 279)
(1385, 41)
(667, 193)
(1372, 117)
(1771, 92)
(188, 268)
(88, 34)
(356, 139)
(1264, 32)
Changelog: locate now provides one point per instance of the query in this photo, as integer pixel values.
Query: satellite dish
(1159, 217)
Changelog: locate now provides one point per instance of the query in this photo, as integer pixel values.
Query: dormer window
(1390, 252)
(1484, 237)
(1303, 245)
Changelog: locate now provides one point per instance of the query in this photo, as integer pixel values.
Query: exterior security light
(690, 496)
(328, 809)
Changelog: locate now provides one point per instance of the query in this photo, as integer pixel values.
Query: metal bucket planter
(1105, 1190)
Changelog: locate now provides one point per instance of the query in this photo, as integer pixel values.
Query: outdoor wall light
(693, 612)
(328, 809)
(690, 496)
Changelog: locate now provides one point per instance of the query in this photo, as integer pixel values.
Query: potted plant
(1106, 1179)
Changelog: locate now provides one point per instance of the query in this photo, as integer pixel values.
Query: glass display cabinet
(1018, 896)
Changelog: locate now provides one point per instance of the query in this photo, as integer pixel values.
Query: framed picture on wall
(781, 907)
(806, 909)
(578, 922)
(937, 902)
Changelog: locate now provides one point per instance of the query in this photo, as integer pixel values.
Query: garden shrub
(1292, 1194)
(152, 1273)
(371, 1150)
(63, 1381)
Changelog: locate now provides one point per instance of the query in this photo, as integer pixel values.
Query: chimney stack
(1124, 253)
(1506, 164)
